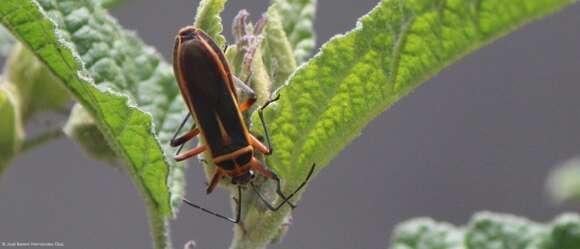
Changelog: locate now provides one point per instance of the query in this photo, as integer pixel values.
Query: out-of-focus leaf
(36, 86)
(564, 181)
(564, 233)
(11, 130)
(208, 19)
(495, 231)
(489, 231)
(298, 20)
(83, 129)
(278, 49)
(426, 233)
(110, 3)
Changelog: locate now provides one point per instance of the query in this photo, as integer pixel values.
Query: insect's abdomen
(205, 82)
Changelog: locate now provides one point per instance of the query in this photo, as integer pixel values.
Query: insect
(208, 88)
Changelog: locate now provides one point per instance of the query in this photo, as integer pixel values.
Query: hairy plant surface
(489, 231)
(128, 92)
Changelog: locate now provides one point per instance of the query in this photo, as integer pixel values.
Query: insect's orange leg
(246, 105)
(260, 146)
(186, 137)
(258, 166)
(190, 153)
(214, 181)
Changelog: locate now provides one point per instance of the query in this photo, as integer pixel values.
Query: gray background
(482, 135)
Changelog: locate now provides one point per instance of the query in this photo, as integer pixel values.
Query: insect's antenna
(268, 205)
(181, 126)
(279, 192)
(179, 150)
(287, 199)
(238, 208)
(249, 77)
(174, 138)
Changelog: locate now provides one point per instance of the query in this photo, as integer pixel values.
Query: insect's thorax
(235, 163)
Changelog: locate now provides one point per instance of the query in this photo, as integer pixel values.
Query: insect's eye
(244, 159)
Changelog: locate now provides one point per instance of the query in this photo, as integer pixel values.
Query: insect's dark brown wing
(221, 58)
(205, 85)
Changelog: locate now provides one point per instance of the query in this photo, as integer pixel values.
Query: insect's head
(188, 33)
(243, 179)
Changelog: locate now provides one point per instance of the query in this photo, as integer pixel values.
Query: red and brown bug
(208, 88)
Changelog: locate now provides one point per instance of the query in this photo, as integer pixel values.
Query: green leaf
(278, 48)
(399, 44)
(122, 83)
(36, 88)
(29, 88)
(357, 76)
(108, 4)
(564, 181)
(298, 23)
(261, 82)
(6, 39)
(83, 129)
(11, 130)
(426, 233)
(489, 231)
(494, 231)
(208, 19)
(563, 234)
